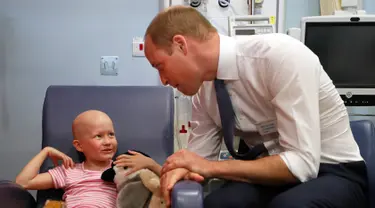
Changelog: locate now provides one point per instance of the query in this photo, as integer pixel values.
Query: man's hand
(169, 179)
(188, 160)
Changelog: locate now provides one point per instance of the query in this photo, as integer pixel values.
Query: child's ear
(77, 145)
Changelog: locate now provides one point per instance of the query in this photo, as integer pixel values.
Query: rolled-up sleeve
(205, 136)
(293, 79)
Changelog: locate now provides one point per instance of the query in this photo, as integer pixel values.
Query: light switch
(109, 65)
(138, 47)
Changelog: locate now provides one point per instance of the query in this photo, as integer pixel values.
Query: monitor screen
(245, 32)
(346, 51)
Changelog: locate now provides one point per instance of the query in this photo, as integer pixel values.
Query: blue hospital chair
(364, 134)
(143, 117)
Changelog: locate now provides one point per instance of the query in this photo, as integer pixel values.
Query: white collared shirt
(274, 78)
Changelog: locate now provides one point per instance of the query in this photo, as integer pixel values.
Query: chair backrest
(143, 118)
(364, 134)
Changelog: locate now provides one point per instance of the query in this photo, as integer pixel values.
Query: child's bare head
(94, 135)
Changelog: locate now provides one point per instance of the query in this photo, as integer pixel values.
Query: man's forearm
(269, 170)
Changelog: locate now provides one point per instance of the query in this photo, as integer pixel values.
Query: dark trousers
(337, 186)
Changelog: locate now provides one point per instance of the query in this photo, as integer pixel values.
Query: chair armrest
(187, 194)
(13, 195)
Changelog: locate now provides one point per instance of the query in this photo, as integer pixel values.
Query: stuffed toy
(54, 204)
(140, 189)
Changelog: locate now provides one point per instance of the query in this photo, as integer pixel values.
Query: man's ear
(179, 41)
(77, 145)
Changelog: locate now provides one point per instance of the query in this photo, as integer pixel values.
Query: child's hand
(56, 155)
(136, 161)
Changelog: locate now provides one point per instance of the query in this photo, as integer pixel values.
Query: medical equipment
(201, 5)
(163, 4)
(257, 6)
(195, 3)
(271, 8)
(183, 110)
(350, 7)
(249, 25)
(345, 46)
(224, 3)
(294, 32)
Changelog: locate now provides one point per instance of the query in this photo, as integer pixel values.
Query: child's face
(97, 140)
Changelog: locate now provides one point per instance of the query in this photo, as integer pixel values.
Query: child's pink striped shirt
(84, 188)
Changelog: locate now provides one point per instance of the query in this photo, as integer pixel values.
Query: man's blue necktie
(227, 117)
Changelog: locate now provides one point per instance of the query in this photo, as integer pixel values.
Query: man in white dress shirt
(282, 98)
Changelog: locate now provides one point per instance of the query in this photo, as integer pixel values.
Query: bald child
(94, 136)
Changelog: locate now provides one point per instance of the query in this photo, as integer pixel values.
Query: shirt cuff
(300, 165)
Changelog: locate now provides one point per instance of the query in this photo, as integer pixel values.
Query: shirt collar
(227, 67)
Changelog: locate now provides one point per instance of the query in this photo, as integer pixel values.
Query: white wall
(296, 9)
(3, 113)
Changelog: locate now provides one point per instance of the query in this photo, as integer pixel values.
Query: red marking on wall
(183, 130)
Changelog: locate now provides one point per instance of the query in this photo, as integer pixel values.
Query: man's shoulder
(265, 45)
(277, 48)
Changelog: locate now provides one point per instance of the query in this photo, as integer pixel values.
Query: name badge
(267, 127)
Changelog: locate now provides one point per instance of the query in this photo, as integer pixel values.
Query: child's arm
(29, 177)
(155, 167)
(137, 161)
